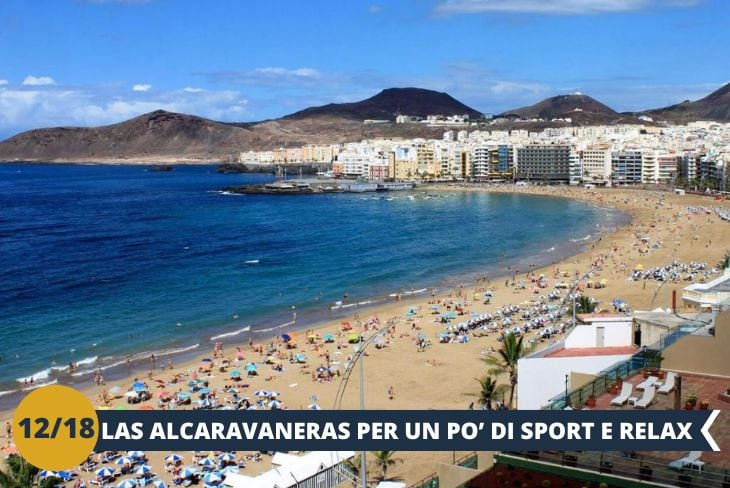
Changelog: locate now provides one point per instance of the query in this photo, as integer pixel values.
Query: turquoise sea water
(99, 263)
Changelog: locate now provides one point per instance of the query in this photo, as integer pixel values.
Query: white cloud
(29, 108)
(3, 82)
(450, 7)
(31, 80)
(268, 76)
(141, 88)
(190, 89)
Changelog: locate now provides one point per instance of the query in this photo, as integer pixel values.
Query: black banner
(428, 430)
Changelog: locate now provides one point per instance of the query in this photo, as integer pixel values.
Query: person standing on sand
(8, 430)
(391, 393)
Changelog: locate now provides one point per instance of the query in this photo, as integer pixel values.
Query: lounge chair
(691, 460)
(623, 397)
(646, 398)
(647, 383)
(668, 385)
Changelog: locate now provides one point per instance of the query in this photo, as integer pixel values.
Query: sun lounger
(647, 383)
(623, 397)
(691, 460)
(668, 385)
(646, 398)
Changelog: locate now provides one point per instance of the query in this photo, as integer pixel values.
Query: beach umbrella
(212, 478)
(47, 474)
(164, 394)
(329, 337)
(65, 475)
(142, 469)
(173, 458)
(139, 386)
(159, 484)
(227, 457)
(104, 473)
(314, 406)
(252, 407)
(203, 391)
(124, 460)
(321, 369)
(135, 454)
(127, 484)
(235, 374)
(286, 337)
(421, 335)
(207, 463)
(188, 471)
(379, 341)
(207, 360)
(229, 470)
(261, 393)
(274, 394)
(353, 338)
(146, 407)
(275, 404)
(250, 367)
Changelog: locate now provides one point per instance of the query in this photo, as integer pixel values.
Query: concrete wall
(616, 334)
(541, 379)
(702, 354)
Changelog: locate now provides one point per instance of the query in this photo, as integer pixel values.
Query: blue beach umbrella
(124, 460)
(275, 404)
(261, 393)
(250, 367)
(139, 386)
(173, 458)
(227, 457)
(105, 473)
(235, 374)
(212, 478)
(207, 463)
(142, 469)
(314, 406)
(188, 471)
(286, 337)
(127, 484)
(229, 470)
(182, 396)
(203, 391)
(47, 474)
(159, 484)
(135, 454)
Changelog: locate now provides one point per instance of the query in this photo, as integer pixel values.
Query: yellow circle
(55, 427)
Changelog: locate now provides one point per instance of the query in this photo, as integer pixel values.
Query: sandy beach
(403, 375)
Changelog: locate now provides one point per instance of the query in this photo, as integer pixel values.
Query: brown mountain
(578, 107)
(162, 136)
(715, 106)
(391, 102)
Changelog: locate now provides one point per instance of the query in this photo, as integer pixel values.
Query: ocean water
(100, 263)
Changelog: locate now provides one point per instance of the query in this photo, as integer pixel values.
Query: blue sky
(91, 62)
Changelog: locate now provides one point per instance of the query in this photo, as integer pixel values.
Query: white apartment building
(596, 164)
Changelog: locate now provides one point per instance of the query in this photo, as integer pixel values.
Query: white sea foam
(252, 261)
(583, 239)
(274, 328)
(3, 393)
(231, 334)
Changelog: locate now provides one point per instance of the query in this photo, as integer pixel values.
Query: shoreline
(440, 376)
(193, 348)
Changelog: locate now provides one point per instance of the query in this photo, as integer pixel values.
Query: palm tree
(488, 392)
(353, 465)
(505, 361)
(384, 460)
(585, 304)
(19, 473)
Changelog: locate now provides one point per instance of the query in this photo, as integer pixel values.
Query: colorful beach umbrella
(147, 407)
(105, 473)
(124, 460)
(127, 484)
(135, 454)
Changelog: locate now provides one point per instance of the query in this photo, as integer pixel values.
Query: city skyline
(97, 62)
